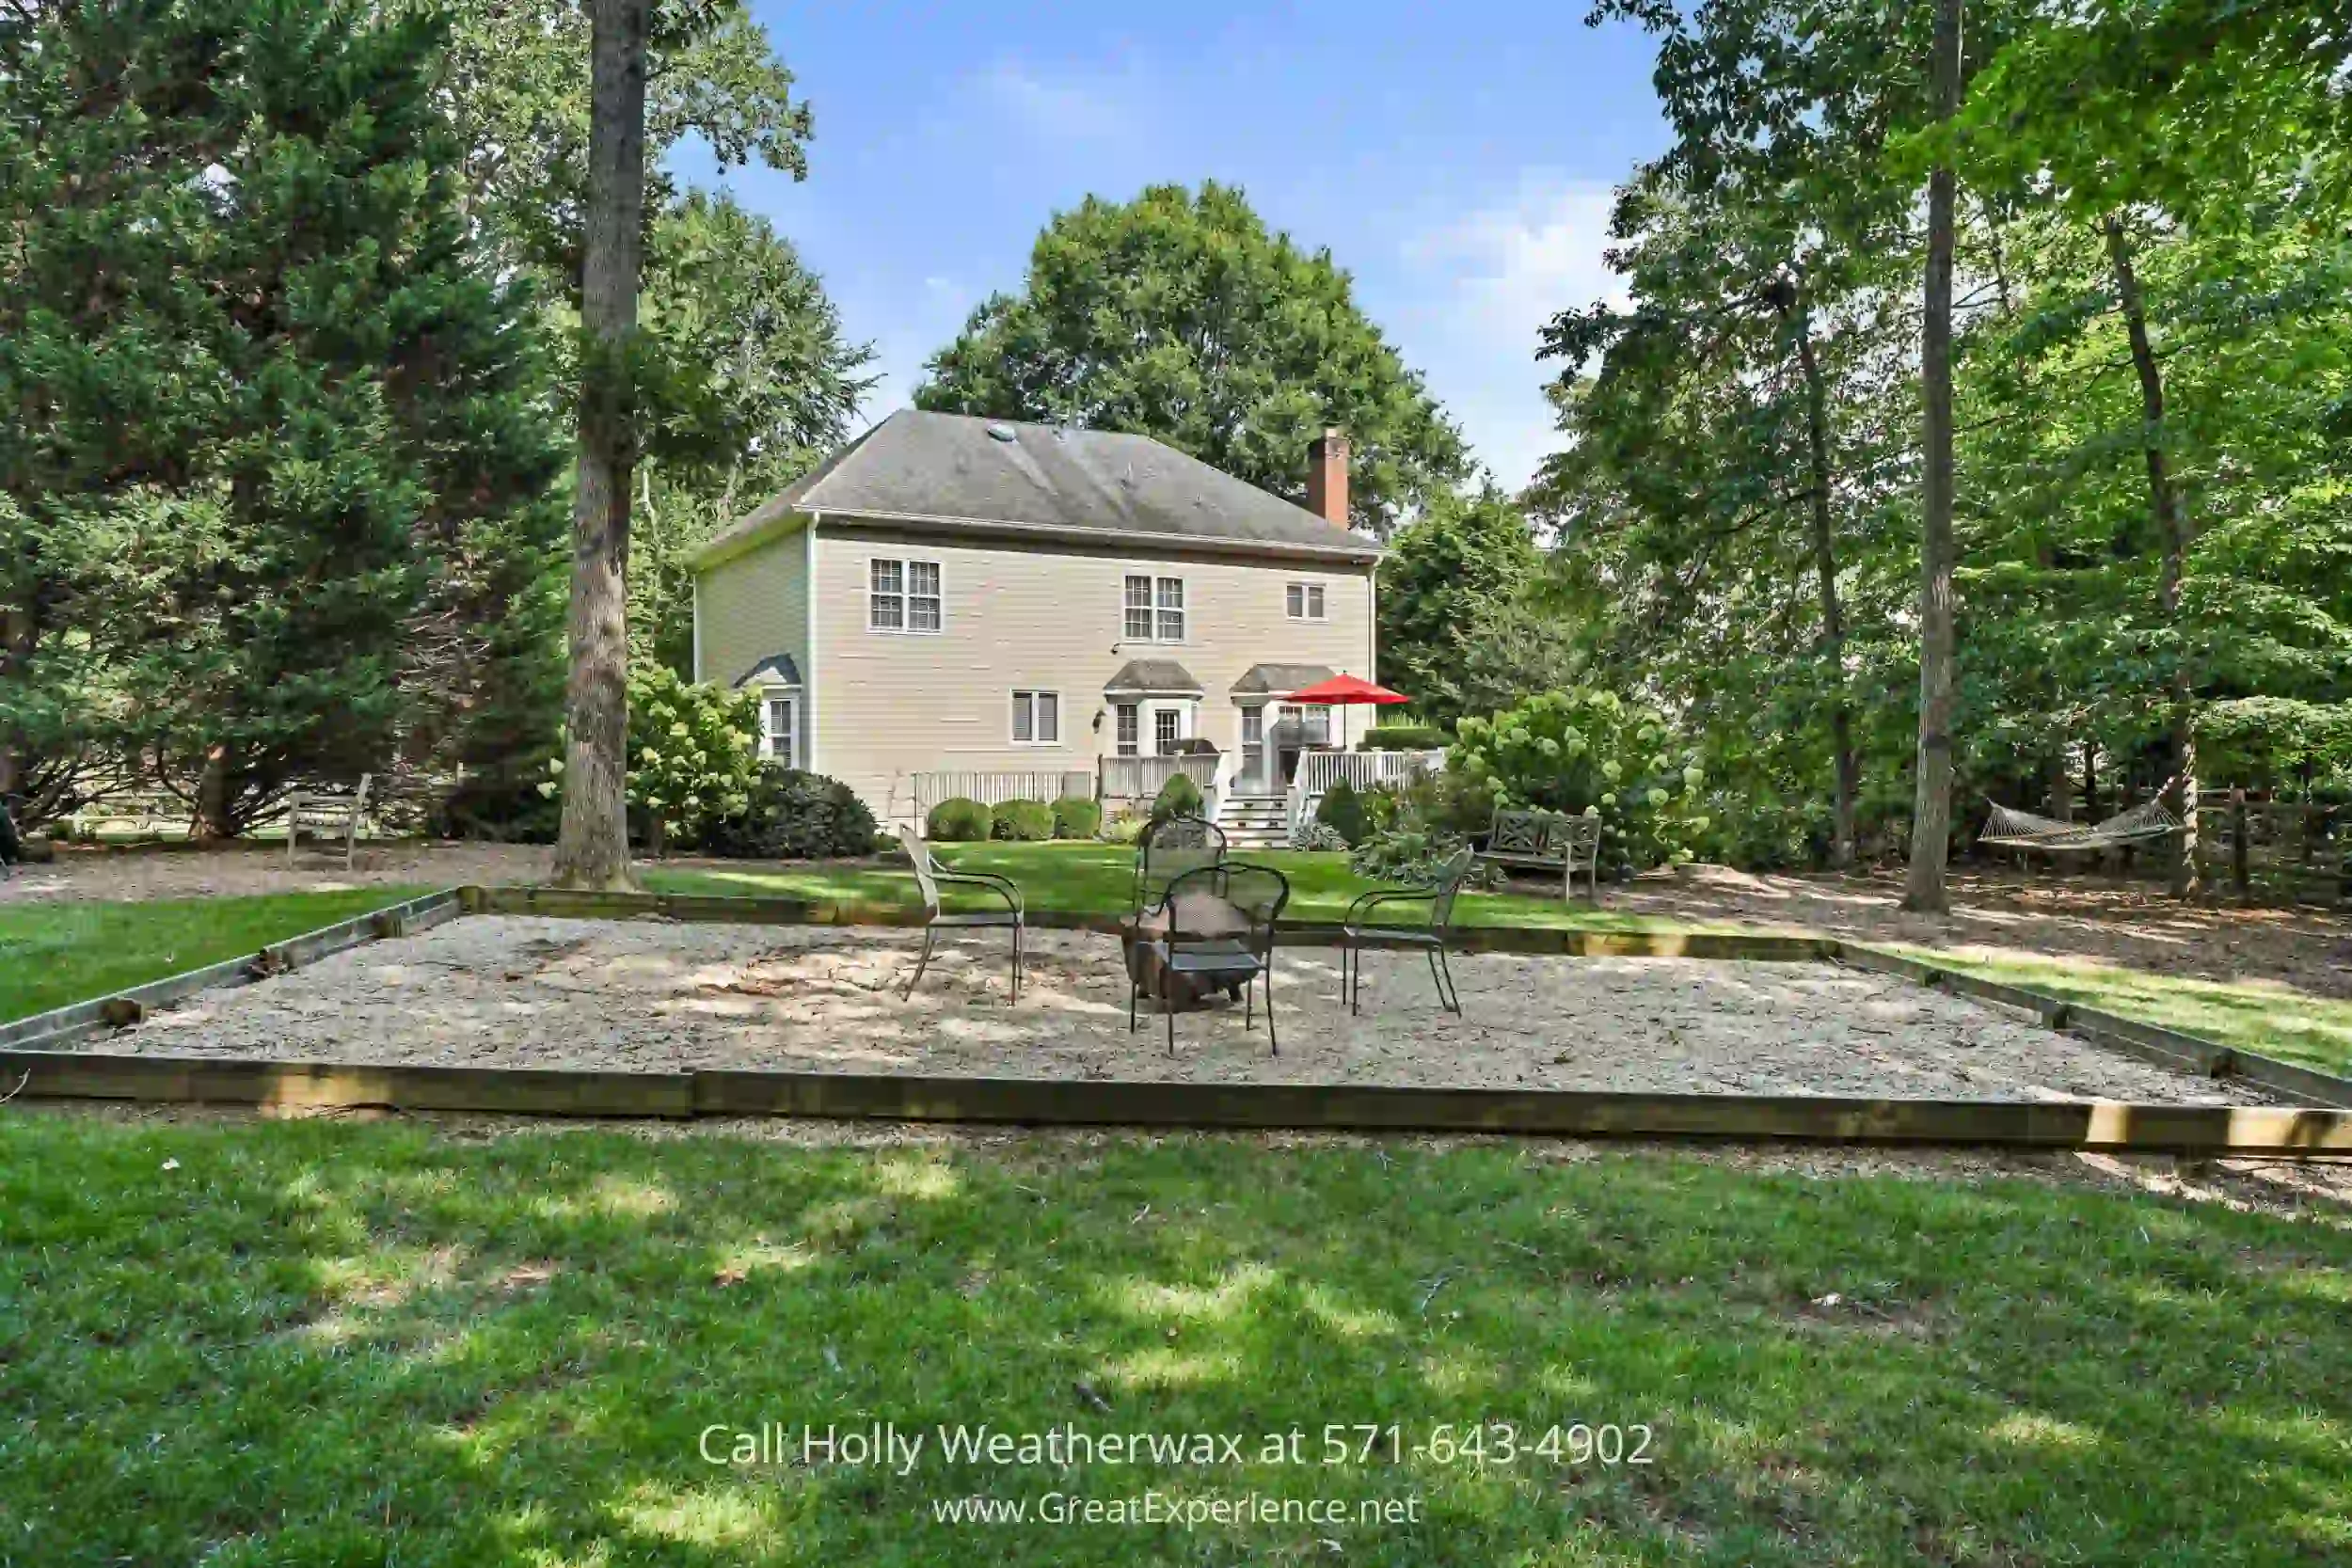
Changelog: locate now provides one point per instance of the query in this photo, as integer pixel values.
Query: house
(952, 605)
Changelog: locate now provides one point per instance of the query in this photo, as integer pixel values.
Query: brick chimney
(1326, 477)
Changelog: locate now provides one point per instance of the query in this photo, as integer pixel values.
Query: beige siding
(1022, 616)
(752, 607)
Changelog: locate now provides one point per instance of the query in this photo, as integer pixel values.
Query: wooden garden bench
(328, 812)
(1545, 841)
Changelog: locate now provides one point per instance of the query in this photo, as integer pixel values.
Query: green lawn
(313, 1344)
(2316, 1030)
(1099, 878)
(53, 954)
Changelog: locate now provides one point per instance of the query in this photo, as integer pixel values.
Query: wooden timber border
(309, 1087)
(560, 904)
(35, 1056)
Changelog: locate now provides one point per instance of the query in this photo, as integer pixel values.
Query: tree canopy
(1178, 315)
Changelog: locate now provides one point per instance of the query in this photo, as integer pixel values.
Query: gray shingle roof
(954, 468)
(778, 666)
(1280, 678)
(1153, 674)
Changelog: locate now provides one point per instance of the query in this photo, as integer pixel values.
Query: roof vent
(1000, 433)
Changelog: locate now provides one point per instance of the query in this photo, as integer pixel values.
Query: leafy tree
(778, 386)
(1178, 316)
(1443, 569)
(245, 461)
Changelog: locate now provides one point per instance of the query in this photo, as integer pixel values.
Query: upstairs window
(1304, 601)
(1153, 608)
(904, 595)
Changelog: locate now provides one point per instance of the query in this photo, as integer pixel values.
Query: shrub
(1023, 821)
(1341, 810)
(1311, 834)
(958, 820)
(1404, 737)
(694, 753)
(1179, 797)
(1076, 816)
(1591, 753)
(794, 815)
(1411, 857)
(1128, 827)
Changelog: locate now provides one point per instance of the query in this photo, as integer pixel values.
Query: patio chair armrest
(1003, 887)
(1366, 903)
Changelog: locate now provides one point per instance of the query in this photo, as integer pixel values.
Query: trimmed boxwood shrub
(1025, 821)
(1341, 810)
(1405, 738)
(958, 820)
(1076, 816)
(794, 815)
(1179, 797)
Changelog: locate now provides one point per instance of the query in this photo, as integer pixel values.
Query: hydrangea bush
(1592, 752)
(694, 753)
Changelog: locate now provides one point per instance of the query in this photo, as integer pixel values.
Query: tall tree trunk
(2164, 501)
(16, 650)
(1931, 806)
(593, 851)
(1832, 614)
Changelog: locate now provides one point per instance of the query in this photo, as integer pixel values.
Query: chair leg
(1274, 1045)
(1430, 954)
(1455, 990)
(1352, 976)
(920, 964)
(1168, 1006)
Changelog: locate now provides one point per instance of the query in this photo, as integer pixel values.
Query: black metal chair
(930, 876)
(1357, 925)
(1168, 851)
(1202, 942)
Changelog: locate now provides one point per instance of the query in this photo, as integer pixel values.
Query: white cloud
(1063, 107)
(1492, 278)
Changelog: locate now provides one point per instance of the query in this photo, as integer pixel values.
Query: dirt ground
(2096, 919)
(649, 995)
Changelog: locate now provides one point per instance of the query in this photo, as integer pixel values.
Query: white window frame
(790, 696)
(1173, 719)
(1127, 729)
(905, 594)
(1313, 598)
(1032, 702)
(1159, 609)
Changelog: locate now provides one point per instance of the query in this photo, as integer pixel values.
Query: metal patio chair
(931, 877)
(1433, 939)
(1218, 933)
(1170, 849)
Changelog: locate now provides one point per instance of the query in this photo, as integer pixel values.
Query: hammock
(2023, 830)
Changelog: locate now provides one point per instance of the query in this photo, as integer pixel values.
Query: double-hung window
(1036, 717)
(904, 595)
(1304, 601)
(1153, 609)
(1168, 727)
(1130, 718)
(782, 729)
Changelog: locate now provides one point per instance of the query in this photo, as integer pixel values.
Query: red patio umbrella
(1346, 691)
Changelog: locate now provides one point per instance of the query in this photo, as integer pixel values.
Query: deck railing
(1319, 770)
(1140, 778)
(992, 789)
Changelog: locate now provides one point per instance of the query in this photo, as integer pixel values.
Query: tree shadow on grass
(313, 1344)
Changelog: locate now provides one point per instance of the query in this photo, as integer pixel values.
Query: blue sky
(1456, 159)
